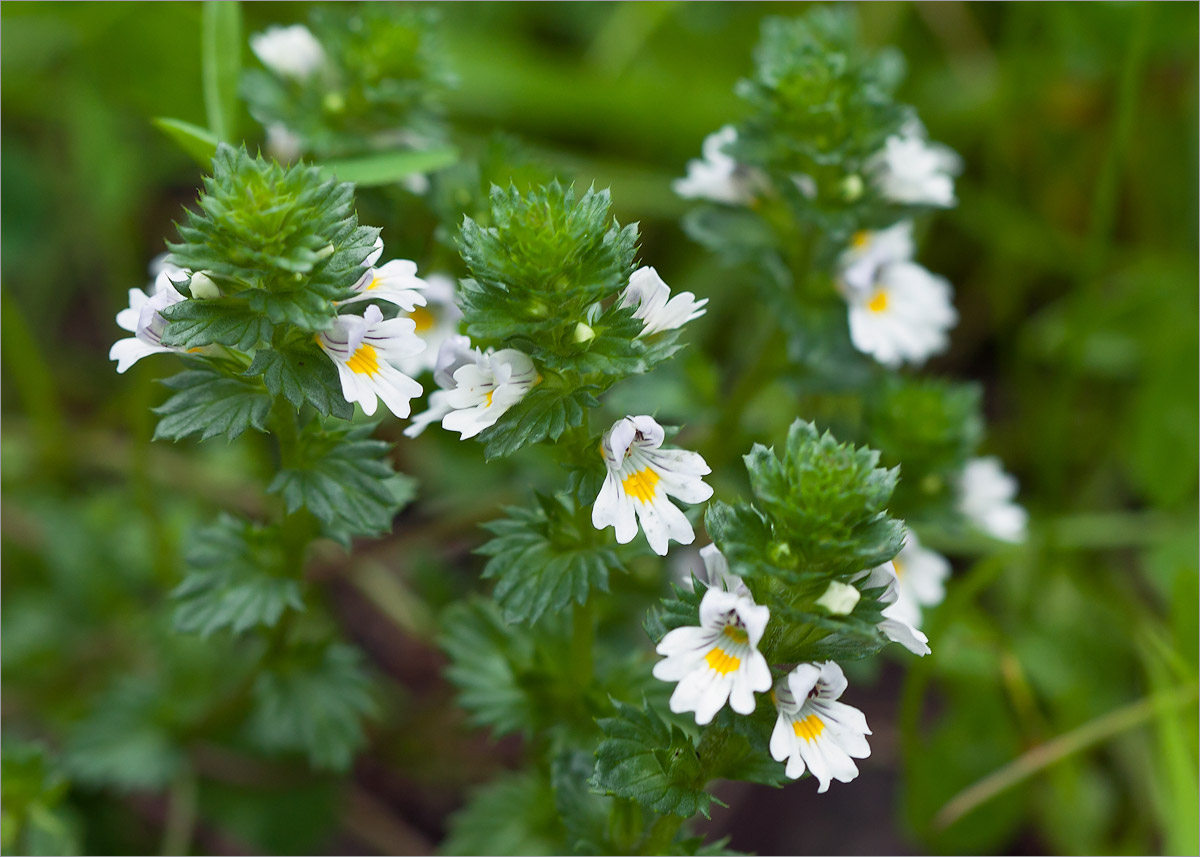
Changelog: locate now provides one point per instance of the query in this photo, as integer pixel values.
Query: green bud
(852, 187)
(583, 333)
(839, 598)
(202, 286)
(334, 102)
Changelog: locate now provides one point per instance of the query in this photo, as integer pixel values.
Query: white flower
(161, 264)
(144, 320)
(655, 306)
(714, 571)
(719, 660)
(289, 51)
(641, 477)
(365, 350)
(481, 387)
(813, 728)
(454, 353)
(905, 316)
(395, 282)
(921, 575)
(893, 626)
(436, 321)
(860, 263)
(283, 145)
(718, 176)
(911, 171)
(986, 496)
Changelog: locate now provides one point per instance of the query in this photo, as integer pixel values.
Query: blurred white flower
(869, 252)
(921, 581)
(282, 144)
(904, 317)
(718, 176)
(893, 626)
(986, 498)
(291, 52)
(911, 171)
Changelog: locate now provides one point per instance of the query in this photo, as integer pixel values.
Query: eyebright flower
(921, 581)
(452, 355)
(291, 52)
(718, 176)
(437, 322)
(718, 661)
(714, 571)
(655, 306)
(283, 145)
(813, 728)
(985, 498)
(893, 626)
(395, 282)
(904, 316)
(910, 171)
(869, 251)
(144, 320)
(641, 477)
(477, 387)
(365, 350)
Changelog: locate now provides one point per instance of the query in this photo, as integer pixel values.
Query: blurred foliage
(1074, 255)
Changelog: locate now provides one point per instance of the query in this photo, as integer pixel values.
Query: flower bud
(202, 286)
(583, 333)
(839, 598)
(852, 187)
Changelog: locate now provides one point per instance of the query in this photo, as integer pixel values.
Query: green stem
(1053, 751)
(661, 834)
(295, 529)
(583, 639)
(181, 815)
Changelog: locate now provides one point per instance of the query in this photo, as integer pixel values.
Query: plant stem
(181, 815)
(583, 638)
(660, 835)
(1057, 749)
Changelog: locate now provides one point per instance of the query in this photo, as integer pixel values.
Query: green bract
(821, 109)
(545, 261)
(281, 243)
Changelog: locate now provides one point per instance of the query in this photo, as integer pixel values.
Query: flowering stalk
(265, 297)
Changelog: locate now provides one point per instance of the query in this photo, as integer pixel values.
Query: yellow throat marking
(423, 319)
(810, 728)
(860, 239)
(640, 485)
(487, 398)
(364, 361)
(878, 301)
(721, 661)
(899, 566)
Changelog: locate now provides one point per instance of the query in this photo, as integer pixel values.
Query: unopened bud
(583, 333)
(334, 102)
(327, 250)
(202, 286)
(839, 598)
(852, 187)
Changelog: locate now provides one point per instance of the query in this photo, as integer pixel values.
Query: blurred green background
(1073, 252)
